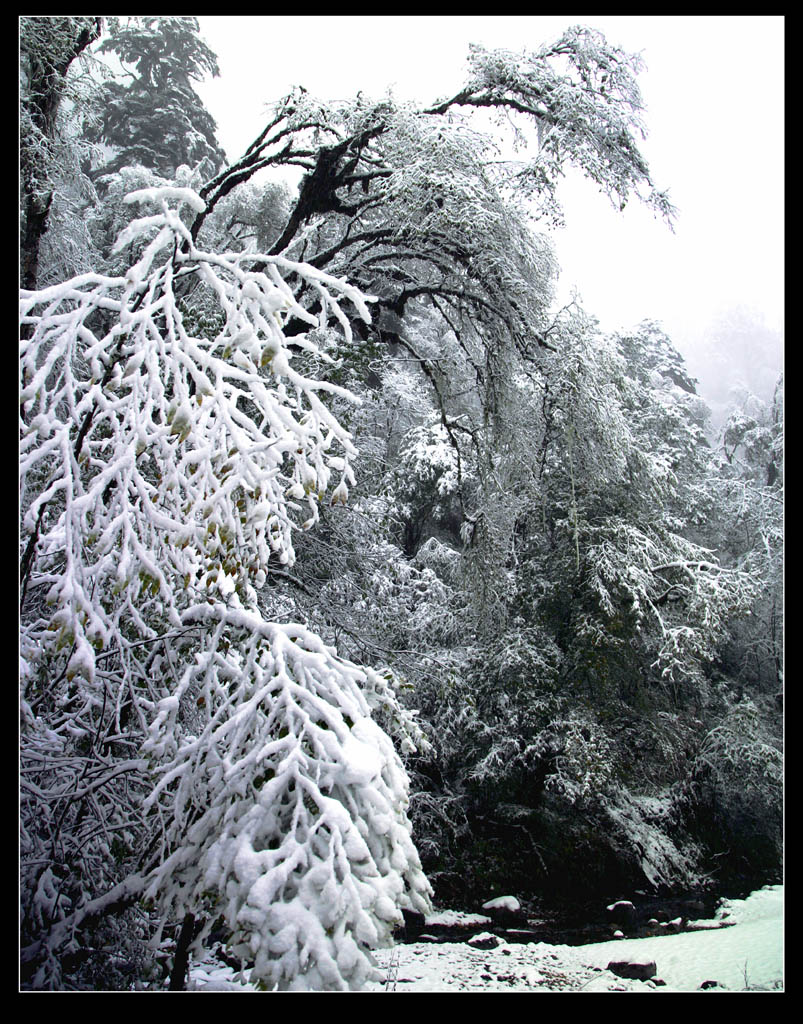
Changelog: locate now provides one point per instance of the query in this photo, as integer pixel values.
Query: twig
(393, 971)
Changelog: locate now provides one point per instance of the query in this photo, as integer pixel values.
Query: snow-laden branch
(285, 801)
(195, 451)
(163, 469)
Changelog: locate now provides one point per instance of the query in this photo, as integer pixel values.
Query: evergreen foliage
(157, 119)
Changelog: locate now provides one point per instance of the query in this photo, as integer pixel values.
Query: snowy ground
(749, 954)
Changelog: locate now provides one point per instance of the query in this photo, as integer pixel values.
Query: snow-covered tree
(49, 49)
(751, 532)
(226, 614)
(414, 205)
(156, 119)
(598, 607)
(163, 473)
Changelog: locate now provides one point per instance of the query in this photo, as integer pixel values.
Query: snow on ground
(752, 949)
(748, 954)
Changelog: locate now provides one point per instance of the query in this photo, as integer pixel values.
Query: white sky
(714, 94)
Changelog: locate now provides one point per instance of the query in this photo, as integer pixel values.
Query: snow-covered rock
(509, 903)
(456, 919)
(622, 913)
(640, 968)
(485, 940)
(505, 910)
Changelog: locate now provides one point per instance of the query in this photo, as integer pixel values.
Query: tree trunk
(37, 211)
(178, 976)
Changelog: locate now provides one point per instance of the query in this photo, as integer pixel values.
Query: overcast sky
(714, 94)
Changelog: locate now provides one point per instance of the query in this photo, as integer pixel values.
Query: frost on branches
(227, 766)
(286, 810)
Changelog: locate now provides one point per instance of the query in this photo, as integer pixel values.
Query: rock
(502, 903)
(710, 984)
(454, 926)
(505, 910)
(414, 924)
(622, 913)
(485, 940)
(640, 970)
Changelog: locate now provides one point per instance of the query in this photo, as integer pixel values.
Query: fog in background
(714, 96)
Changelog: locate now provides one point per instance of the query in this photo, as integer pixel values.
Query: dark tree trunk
(178, 976)
(36, 213)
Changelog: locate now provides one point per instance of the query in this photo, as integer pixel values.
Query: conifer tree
(157, 119)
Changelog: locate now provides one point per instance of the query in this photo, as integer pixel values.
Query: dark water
(579, 923)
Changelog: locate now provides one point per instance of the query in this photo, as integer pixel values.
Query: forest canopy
(355, 576)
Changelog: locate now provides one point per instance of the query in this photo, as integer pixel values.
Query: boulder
(505, 911)
(622, 913)
(640, 970)
(414, 925)
(521, 935)
(454, 925)
(485, 940)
